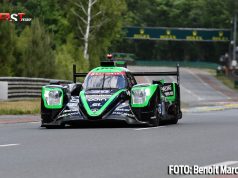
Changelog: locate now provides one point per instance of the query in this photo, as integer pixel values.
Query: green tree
(178, 13)
(67, 55)
(7, 47)
(105, 27)
(36, 57)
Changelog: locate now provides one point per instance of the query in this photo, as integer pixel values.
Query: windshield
(105, 81)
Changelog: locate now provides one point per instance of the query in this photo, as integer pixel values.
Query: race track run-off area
(206, 135)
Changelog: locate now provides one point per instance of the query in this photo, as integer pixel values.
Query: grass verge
(226, 81)
(20, 107)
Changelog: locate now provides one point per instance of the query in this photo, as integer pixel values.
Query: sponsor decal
(98, 92)
(142, 34)
(168, 35)
(71, 113)
(123, 114)
(96, 105)
(72, 104)
(106, 73)
(194, 36)
(124, 110)
(167, 90)
(94, 110)
(97, 97)
(220, 37)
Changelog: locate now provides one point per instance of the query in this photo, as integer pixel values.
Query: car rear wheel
(55, 126)
(176, 118)
(174, 121)
(155, 122)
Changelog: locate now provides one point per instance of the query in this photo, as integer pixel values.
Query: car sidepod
(144, 102)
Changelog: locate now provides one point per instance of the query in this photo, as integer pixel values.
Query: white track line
(197, 77)
(192, 93)
(226, 163)
(35, 122)
(147, 128)
(8, 145)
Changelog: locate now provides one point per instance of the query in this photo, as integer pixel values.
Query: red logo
(19, 17)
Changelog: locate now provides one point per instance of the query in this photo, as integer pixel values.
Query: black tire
(174, 120)
(55, 126)
(155, 122)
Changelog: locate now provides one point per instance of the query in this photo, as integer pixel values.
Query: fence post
(4, 90)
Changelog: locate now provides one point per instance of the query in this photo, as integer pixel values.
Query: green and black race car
(111, 93)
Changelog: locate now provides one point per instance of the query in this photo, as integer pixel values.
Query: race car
(111, 93)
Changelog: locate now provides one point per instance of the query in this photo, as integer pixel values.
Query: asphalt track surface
(202, 137)
(103, 151)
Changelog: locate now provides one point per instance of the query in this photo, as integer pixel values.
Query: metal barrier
(196, 64)
(23, 87)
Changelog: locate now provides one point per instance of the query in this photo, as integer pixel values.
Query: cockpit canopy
(108, 80)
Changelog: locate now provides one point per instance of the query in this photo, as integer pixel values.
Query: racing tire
(156, 121)
(55, 126)
(174, 121)
(176, 118)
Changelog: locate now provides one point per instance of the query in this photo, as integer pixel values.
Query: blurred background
(62, 33)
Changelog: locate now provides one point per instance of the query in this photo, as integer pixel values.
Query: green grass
(20, 107)
(226, 81)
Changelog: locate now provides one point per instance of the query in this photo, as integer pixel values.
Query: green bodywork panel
(58, 106)
(152, 88)
(100, 111)
(162, 81)
(150, 91)
(109, 69)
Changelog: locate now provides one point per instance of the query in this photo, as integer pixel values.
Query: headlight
(53, 97)
(139, 96)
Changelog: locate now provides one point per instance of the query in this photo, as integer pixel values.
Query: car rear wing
(171, 73)
(75, 74)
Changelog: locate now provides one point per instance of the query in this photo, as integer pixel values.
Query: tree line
(81, 32)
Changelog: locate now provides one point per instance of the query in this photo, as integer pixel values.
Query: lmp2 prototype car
(111, 93)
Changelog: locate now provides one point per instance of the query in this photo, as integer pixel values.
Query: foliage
(66, 56)
(51, 43)
(105, 27)
(35, 56)
(178, 13)
(7, 45)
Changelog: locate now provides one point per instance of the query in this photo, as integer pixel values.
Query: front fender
(146, 91)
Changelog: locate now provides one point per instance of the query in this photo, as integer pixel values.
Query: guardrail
(23, 87)
(195, 64)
